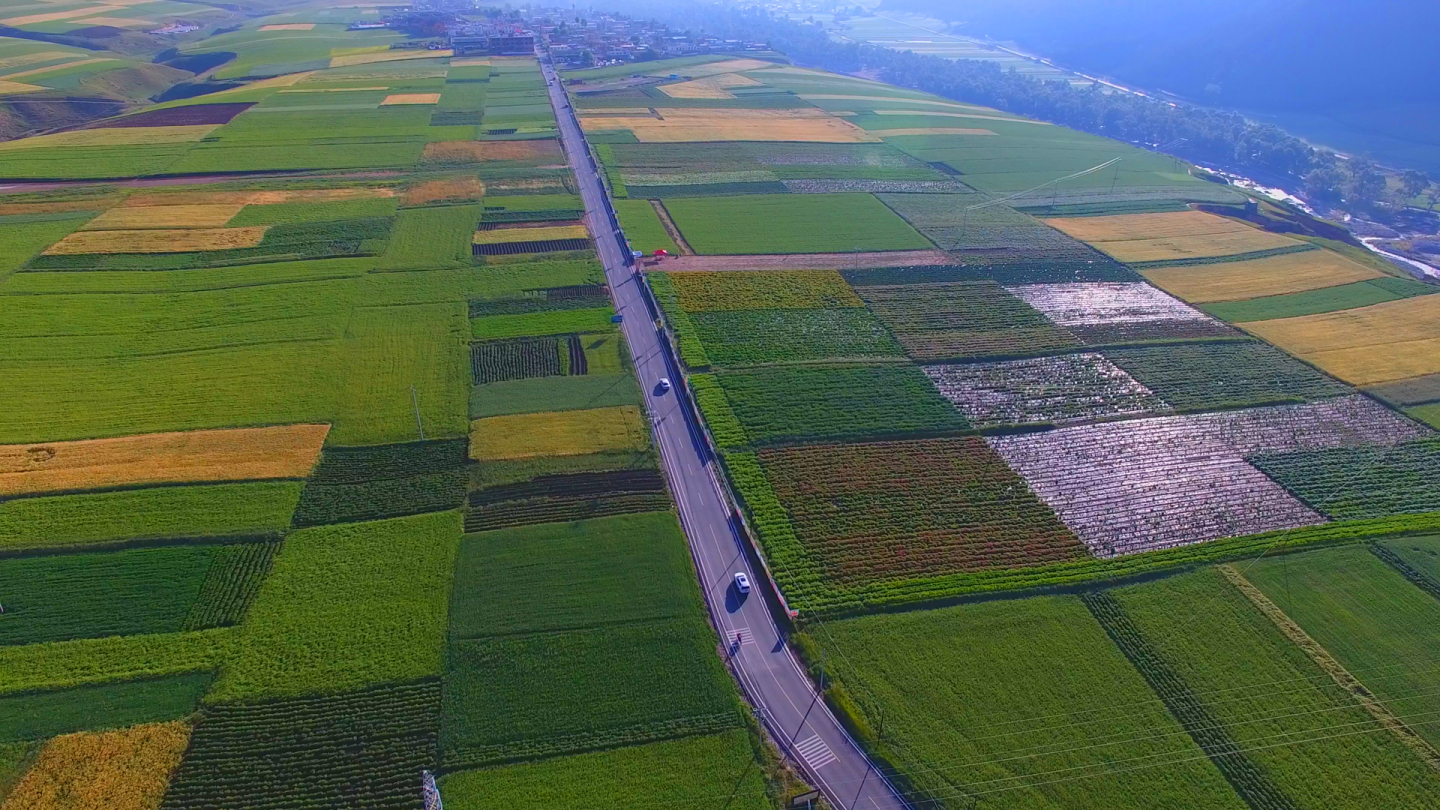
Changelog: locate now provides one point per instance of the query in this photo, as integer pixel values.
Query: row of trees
(1217, 137)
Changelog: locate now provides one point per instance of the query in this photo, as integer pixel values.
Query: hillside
(1346, 75)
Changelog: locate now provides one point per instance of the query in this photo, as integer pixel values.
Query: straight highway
(769, 673)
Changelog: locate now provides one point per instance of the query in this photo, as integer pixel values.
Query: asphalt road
(769, 673)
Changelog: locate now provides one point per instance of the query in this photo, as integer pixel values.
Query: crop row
(687, 335)
(1249, 780)
(539, 301)
(1146, 484)
(889, 510)
(357, 750)
(231, 584)
(1058, 389)
(749, 337)
(351, 465)
(322, 504)
(779, 404)
(530, 511)
(771, 289)
(514, 359)
(540, 246)
(1122, 332)
(1212, 376)
(574, 485)
(945, 321)
(1361, 482)
(1028, 271)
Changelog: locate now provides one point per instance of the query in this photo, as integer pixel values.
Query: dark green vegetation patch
(368, 483)
(1412, 391)
(748, 337)
(567, 497)
(41, 715)
(815, 403)
(1212, 376)
(127, 592)
(357, 750)
(952, 321)
(1350, 483)
(353, 465)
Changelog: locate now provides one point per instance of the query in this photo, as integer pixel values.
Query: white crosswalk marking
(815, 752)
(746, 637)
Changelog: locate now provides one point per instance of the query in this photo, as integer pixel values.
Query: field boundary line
(1332, 667)
(670, 227)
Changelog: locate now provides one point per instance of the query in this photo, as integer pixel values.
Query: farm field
(323, 462)
(247, 554)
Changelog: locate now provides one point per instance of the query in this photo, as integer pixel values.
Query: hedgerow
(361, 750)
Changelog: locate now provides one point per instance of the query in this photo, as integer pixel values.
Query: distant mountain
(1349, 71)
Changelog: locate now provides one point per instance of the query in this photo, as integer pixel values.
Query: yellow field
(1173, 235)
(507, 235)
(773, 289)
(975, 115)
(287, 80)
(565, 433)
(32, 58)
(1124, 227)
(239, 454)
(172, 198)
(492, 150)
(692, 125)
(467, 187)
(117, 136)
(386, 56)
(1276, 275)
(157, 241)
(116, 22)
(728, 66)
(96, 204)
(709, 87)
(411, 98)
(163, 216)
(471, 61)
(59, 15)
(127, 769)
(893, 100)
(51, 68)
(1365, 346)
(892, 133)
(15, 88)
(1194, 247)
(288, 27)
(335, 89)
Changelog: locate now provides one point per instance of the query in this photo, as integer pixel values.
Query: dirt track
(804, 261)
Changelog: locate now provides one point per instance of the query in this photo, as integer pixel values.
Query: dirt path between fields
(805, 261)
(674, 232)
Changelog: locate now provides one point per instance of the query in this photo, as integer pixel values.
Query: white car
(664, 385)
(742, 582)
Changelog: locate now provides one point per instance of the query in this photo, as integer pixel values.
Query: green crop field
(802, 403)
(1376, 624)
(1314, 302)
(749, 337)
(1234, 660)
(41, 715)
(642, 226)
(807, 223)
(944, 682)
(656, 776)
(1205, 377)
(347, 607)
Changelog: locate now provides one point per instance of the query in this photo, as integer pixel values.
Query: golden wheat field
(893, 133)
(127, 769)
(480, 151)
(386, 56)
(502, 236)
(681, 125)
(410, 98)
(116, 22)
(468, 187)
(717, 86)
(471, 61)
(62, 66)
(563, 433)
(15, 88)
(1379, 343)
(171, 198)
(1124, 227)
(117, 136)
(67, 206)
(21, 59)
(1255, 278)
(727, 66)
(31, 19)
(157, 241)
(1199, 246)
(237, 454)
(164, 216)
